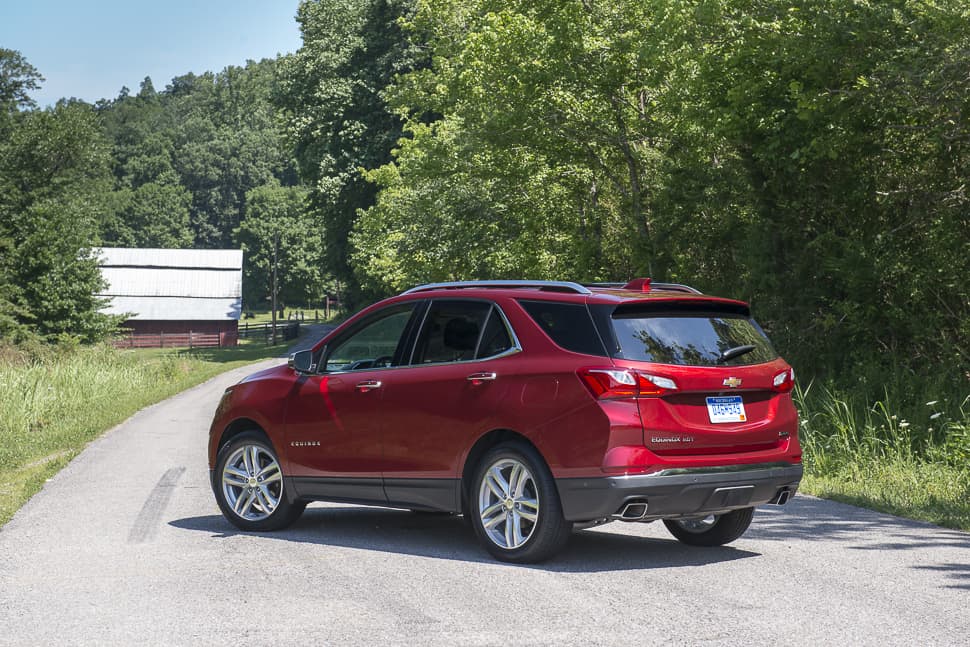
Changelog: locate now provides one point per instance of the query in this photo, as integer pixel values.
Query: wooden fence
(177, 340)
(284, 330)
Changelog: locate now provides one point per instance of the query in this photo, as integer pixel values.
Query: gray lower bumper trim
(678, 492)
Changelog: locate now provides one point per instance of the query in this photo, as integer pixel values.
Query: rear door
(724, 369)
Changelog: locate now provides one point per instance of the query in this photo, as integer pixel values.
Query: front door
(333, 419)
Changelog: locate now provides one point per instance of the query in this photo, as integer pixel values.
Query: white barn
(174, 297)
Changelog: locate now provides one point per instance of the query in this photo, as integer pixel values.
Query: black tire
(725, 528)
(542, 537)
(234, 498)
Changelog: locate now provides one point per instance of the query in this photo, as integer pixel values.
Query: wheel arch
(480, 448)
(241, 426)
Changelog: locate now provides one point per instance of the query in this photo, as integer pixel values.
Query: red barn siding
(167, 334)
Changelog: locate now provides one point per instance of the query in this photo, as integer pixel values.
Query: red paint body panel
(335, 426)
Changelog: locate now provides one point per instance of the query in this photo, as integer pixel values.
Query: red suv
(530, 407)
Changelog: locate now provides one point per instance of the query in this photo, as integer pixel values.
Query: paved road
(126, 546)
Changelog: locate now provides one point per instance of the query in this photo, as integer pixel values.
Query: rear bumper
(678, 492)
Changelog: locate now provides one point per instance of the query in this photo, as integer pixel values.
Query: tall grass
(55, 400)
(872, 454)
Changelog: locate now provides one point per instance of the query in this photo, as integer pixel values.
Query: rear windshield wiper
(737, 351)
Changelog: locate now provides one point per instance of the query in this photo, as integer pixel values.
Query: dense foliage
(53, 180)
(331, 94)
(810, 156)
(188, 158)
(806, 155)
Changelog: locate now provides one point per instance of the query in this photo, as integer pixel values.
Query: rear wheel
(514, 506)
(713, 530)
(249, 485)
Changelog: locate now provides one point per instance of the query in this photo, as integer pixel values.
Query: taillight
(608, 383)
(784, 382)
(655, 385)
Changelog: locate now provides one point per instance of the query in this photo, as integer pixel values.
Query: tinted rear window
(567, 324)
(690, 338)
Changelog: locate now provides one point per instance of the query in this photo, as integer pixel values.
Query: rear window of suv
(690, 338)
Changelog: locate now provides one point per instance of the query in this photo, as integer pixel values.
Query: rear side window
(567, 324)
(458, 331)
(691, 338)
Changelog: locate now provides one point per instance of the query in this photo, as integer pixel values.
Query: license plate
(728, 408)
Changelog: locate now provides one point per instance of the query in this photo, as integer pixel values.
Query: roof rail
(553, 286)
(637, 284)
(675, 287)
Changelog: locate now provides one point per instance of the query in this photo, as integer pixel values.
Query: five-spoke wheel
(514, 505)
(252, 482)
(508, 503)
(249, 485)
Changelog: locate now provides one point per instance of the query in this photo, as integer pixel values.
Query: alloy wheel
(252, 482)
(508, 503)
(698, 526)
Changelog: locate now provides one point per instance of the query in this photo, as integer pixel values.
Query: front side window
(459, 331)
(375, 345)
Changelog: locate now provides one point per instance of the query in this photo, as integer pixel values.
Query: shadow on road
(954, 572)
(448, 537)
(811, 519)
(808, 518)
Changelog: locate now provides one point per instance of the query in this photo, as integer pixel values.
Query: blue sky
(89, 50)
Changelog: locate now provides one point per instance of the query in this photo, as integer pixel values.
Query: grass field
(54, 401)
(868, 455)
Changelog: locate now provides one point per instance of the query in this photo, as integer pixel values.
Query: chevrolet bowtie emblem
(732, 382)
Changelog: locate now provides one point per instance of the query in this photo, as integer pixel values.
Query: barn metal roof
(211, 259)
(175, 308)
(173, 284)
(164, 282)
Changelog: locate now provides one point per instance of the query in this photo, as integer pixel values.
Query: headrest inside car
(461, 334)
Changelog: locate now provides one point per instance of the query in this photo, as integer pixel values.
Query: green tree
(330, 92)
(17, 79)
(850, 125)
(810, 156)
(53, 174)
(561, 110)
(212, 137)
(277, 233)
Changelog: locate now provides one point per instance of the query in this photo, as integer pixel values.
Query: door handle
(481, 378)
(368, 385)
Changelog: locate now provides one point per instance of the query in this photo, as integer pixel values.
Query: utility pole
(276, 245)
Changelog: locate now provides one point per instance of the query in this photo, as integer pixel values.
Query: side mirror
(302, 362)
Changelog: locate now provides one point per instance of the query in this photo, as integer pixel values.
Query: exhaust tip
(632, 511)
(782, 497)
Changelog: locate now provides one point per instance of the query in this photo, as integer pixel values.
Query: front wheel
(249, 485)
(713, 530)
(514, 506)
